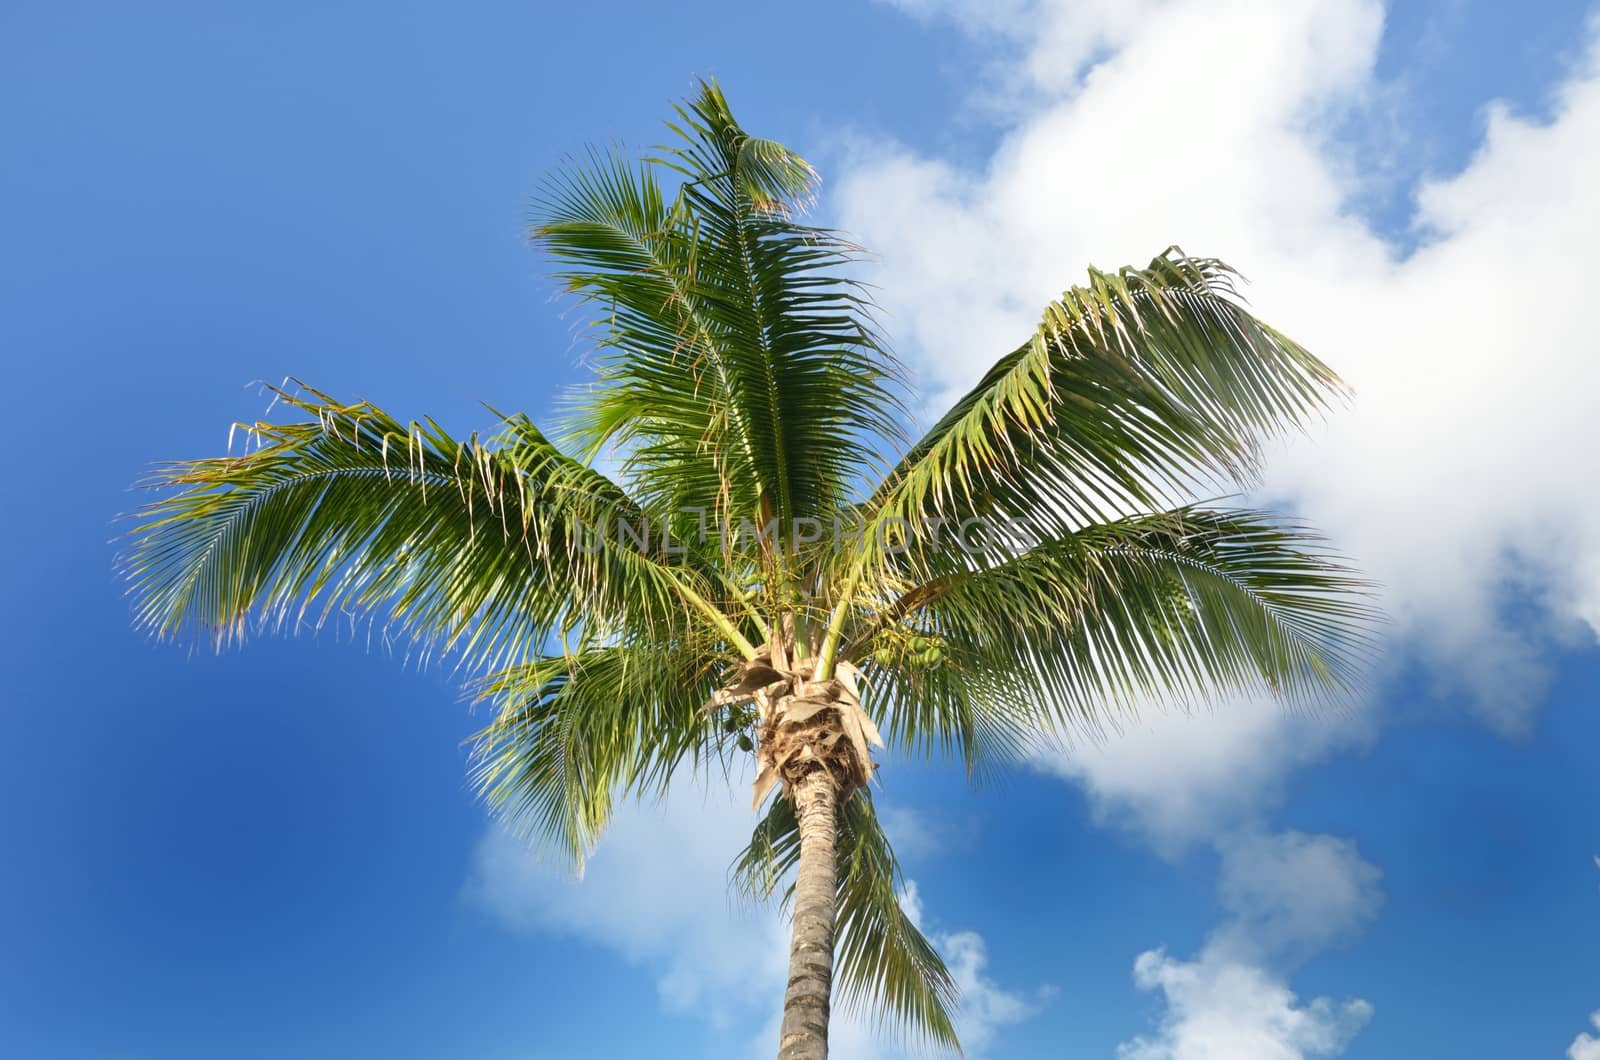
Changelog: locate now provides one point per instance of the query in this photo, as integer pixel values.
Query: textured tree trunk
(805, 1004)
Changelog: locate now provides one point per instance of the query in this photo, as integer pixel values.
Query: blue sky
(276, 852)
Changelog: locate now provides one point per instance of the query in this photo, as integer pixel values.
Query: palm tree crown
(761, 574)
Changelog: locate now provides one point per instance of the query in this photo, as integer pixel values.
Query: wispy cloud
(656, 892)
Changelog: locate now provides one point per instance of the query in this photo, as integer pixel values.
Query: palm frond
(1169, 606)
(1134, 392)
(714, 151)
(478, 548)
(576, 733)
(932, 702)
(886, 968)
(739, 372)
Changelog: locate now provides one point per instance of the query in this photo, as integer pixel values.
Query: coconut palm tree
(768, 573)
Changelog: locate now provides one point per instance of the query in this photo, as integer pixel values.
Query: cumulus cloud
(1459, 477)
(1288, 896)
(1219, 1009)
(1586, 1046)
(986, 1006)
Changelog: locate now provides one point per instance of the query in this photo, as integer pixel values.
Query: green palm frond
(1133, 392)
(886, 967)
(714, 152)
(574, 734)
(1171, 605)
(481, 549)
(931, 701)
(739, 372)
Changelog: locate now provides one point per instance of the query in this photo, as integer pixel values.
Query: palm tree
(757, 577)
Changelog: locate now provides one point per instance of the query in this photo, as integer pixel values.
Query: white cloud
(1287, 896)
(1062, 37)
(1220, 1009)
(1176, 777)
(914, 834)
(1586, 1046)
(656, 891)
(1292, 894)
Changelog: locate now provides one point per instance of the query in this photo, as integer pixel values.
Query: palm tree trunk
(805, 1003)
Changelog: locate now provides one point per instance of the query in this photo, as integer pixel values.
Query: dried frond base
(806, 725)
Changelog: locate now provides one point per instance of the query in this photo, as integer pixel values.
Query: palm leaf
(1174, 605)
(740, 372)
(484, 549)
(1132, 393)
(575, 733)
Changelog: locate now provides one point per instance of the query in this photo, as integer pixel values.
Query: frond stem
(716, 618)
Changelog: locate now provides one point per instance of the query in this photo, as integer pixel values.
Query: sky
(276, 851)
